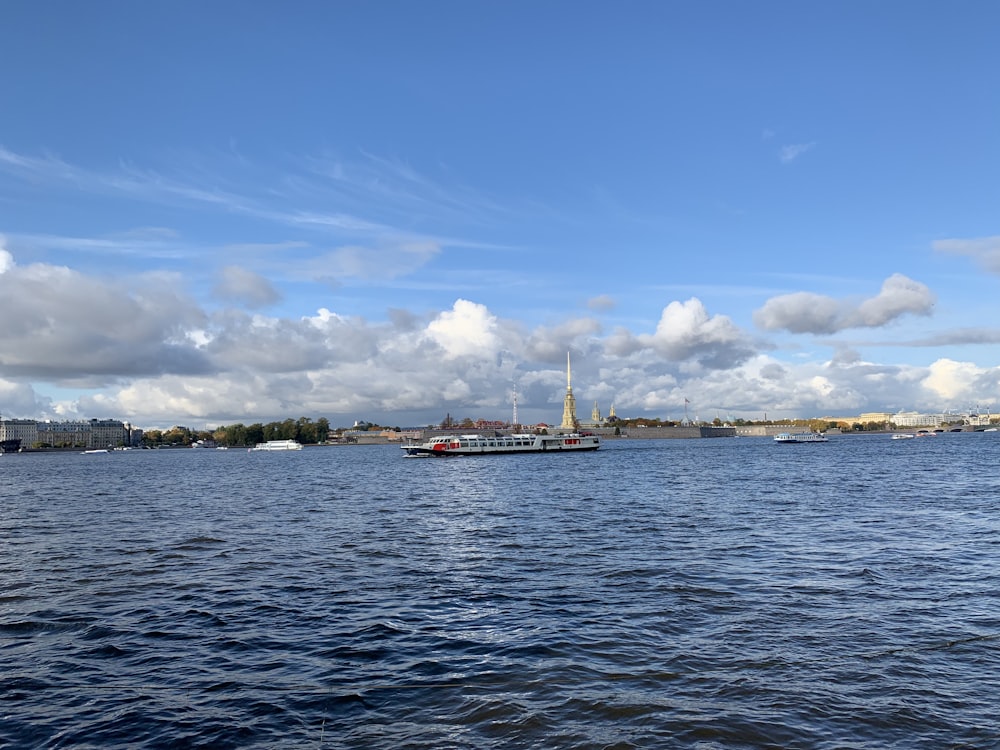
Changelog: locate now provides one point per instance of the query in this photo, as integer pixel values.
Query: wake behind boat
(800, 437)
(474, 445)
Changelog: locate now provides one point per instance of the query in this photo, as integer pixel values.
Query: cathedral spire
(569, 403)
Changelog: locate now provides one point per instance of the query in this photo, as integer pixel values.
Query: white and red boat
(475, 445)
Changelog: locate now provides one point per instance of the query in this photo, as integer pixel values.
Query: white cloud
(601, 303)
(385, 262)
(953, 381)
(6, 259)
(790, 153)
(805, 312)
(687, 332)
(985, 251)
(899, 295)
(66, 326)
(149, 354)
(467, 330)
(236, 284)
(20, 400)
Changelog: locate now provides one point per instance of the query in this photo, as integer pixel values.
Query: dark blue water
(726, 593)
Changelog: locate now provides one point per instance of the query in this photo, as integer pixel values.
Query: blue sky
(233, 211)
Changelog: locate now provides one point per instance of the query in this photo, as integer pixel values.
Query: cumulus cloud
(804, 312)
(151, 356)
(549, 344)
(66, 326)
(20, 400)
(899, 295)
(236, 284)
(687, 332)
(985, 251)
(951, 380)
(468, 329)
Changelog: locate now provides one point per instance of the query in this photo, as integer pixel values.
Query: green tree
(254, 434)
(322, 429)
(177, 436)
(305, 430)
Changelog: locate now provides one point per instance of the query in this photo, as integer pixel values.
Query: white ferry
(800, 437)
(474, 445)
(278, 445)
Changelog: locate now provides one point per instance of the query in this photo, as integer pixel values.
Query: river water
(722, 593)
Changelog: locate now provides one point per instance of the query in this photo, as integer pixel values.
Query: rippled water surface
(725, 593)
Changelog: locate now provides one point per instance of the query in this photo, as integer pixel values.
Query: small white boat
(95, 450)
(903, 436)
(475, 445)
(800, 437)
(278, 445)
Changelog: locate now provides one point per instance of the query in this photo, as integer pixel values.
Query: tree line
(303, 430)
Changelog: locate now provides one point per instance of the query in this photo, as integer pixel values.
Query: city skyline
(231, 213)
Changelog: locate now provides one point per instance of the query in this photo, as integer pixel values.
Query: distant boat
(800, 437)
(475, 445)
(95, 450)
(278, 445)
(10, 445)
(903, 436)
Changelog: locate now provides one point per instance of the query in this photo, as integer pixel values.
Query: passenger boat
(475, 445)
(278, 445)
(800, 437)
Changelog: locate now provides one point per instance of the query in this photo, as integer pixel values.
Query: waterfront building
(94, 433)
(64, 434)
(107, 433)
(915, 419)
(876, 417)
(24, 430)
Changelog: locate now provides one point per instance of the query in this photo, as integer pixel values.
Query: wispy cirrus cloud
(371, 196)
(791, 152)
(984, 251)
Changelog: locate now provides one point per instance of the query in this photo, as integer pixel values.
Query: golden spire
(569, 403)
